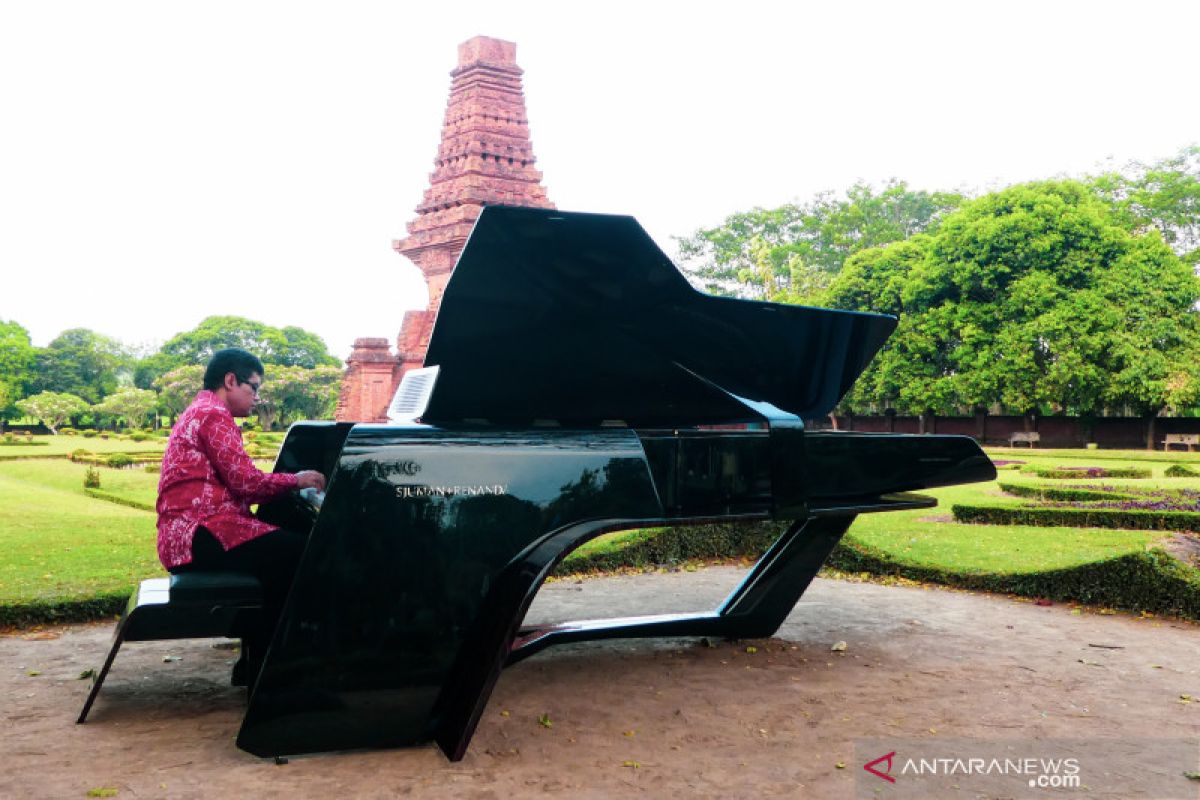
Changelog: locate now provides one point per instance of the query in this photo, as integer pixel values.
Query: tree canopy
(132, 405)
(1037, 297)
(290, 346)
(781, 253)
(17, 359)
(1164, 196)
(83, 363)
(52, 408)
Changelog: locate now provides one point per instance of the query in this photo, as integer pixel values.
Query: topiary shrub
(1180, 471)
(1072, 494)
(91, 478)
(89, 434)
(139, 436)
(119, 460)
(1078, 517)
(1076, 473)
(152, 467)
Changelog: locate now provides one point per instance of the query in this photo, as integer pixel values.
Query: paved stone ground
(921, 668)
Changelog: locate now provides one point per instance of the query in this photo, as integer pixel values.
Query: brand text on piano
(420, 490)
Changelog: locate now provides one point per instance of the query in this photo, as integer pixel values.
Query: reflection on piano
(582, 387)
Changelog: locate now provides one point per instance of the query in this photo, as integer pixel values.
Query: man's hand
(310, 479)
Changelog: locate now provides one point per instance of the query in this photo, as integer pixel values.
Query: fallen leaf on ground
(87, 673)
(169, 659)
(839, 647)
(632, 764)
(33, 673)
(545, 722)
(102, 791)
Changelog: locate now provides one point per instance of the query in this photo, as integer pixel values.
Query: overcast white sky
(161, 162)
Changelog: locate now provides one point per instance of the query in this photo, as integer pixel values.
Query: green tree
(305, 349)
(178, 387)
(17, 358)
(1164, 196)
(288, 346)
(783, 252)
(83, 363)
(292, 393)
(1037, 298)
(133, 405)
(52, 408)
(216, 333)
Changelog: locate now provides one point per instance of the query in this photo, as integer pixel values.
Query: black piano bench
(193, 605)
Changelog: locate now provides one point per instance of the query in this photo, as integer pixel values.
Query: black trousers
(272, 558)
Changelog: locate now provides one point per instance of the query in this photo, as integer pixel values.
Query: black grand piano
(582, 387)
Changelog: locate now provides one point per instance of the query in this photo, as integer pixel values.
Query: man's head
(235, 375)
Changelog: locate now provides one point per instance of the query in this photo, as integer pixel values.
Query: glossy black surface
(410, 549)
(580, 381)
(581, 318)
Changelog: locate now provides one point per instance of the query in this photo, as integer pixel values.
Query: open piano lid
(582, 319)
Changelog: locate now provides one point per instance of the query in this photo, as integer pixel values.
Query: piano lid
(581, 318)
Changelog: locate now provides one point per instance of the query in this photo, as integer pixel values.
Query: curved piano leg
(760, 604)
(755, 609)
(485, 652)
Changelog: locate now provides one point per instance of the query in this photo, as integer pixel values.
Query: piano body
(584, 387)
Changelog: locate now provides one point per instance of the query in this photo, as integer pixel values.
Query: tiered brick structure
(485, 157)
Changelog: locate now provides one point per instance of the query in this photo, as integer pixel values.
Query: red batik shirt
(207, 479)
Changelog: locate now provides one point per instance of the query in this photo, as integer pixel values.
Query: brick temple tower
(485, 157)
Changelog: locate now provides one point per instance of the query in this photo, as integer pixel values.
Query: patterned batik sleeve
(222, 442)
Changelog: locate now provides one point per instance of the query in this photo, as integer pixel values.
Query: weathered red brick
(485, 156)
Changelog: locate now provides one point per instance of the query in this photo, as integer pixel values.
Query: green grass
(1097, 456)
(66, 554)
(910, 539)
(57, 446)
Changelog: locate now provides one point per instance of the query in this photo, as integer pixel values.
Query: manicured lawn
(64, 445)
(57, 545)
(911, 537)
(60, 548)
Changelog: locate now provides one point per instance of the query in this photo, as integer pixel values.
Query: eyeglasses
(254, 387)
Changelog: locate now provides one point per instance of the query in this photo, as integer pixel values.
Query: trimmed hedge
(668, 546)
(1151, 581)
(117, 459)
(1180, 471)
(1068, 495)
(1078, 517)
(48, 612)
(21, 456)
(100, 494)
(1067, 473)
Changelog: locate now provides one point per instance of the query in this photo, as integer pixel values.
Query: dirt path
(921, 669)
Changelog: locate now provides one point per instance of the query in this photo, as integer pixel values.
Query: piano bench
(193, 605)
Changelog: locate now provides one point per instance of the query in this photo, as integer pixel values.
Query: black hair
(232, 359)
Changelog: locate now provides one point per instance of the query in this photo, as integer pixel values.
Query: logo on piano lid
(477, 490)
(408, 467)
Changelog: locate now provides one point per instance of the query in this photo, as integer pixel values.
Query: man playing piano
(207, 485)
